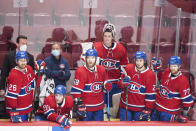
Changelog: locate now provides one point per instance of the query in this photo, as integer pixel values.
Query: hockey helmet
(140, 55)
(21, 55)
(60, 89)
(175, 60)
(109, 28)
(91, 52)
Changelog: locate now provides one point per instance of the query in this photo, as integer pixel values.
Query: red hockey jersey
(89, 85)
(112, 58)
(141, 91)
(52, 110)
(174, 93)
(19, 94)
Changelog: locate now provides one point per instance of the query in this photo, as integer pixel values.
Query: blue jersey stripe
(75, 90)
(150, 96)
(188, 99)
(12, 94)
(49, 112)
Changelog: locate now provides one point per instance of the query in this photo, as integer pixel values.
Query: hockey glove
(156, 64)
(124, 83)
(145, 115)
(40, 64)
(183, 117)
(64, 121)
(108, 85)
(80, 108)
(15, 117)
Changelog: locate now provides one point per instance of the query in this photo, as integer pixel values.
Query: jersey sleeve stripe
(186, 96)
(150, 96)
(187, 99)
(49, 112)
(74, 89)
(11, 95)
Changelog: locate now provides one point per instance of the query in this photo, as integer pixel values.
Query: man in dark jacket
(56, 66)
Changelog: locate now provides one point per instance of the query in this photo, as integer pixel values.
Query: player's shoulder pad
(15, 73)
(118, 45)
(100, 67)
(29, 67)
(50, 100)
(80, 70)
(69, 101)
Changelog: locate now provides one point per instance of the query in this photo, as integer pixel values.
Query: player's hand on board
(15, 117)
(64, 121)
(145, 115)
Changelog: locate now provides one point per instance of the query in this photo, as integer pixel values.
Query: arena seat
(123, 13)
(68, 57)
(40, 13)
(3, 46)
(132, 47)
(76, 52)
(2, 56)
(68, 12)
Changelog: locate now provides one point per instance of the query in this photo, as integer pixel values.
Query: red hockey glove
(64, 121)
(15, 117)
(156, 64)
(108, 85)
(182, 119)
(124, 83)
(145, 115)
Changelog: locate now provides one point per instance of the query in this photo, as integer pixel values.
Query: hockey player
(138, 96)
(19, 94)
(56, 107)
(111, 55)
(173, 94)
(87, 89)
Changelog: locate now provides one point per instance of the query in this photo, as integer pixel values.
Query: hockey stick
(124, 71)
(162, 4)
(34, 94)
(108, 93)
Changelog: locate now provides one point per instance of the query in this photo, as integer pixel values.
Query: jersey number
(186, 91)
(12, 87)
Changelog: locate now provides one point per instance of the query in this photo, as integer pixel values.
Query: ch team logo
(28, 89)
(134, 87)
(96, 87)
(29, 86)
(109, 63)
(164, 92)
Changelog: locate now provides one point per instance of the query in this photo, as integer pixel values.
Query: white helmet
(109, 28)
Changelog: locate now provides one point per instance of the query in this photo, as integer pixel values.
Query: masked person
(57, 67)
(10, 62)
